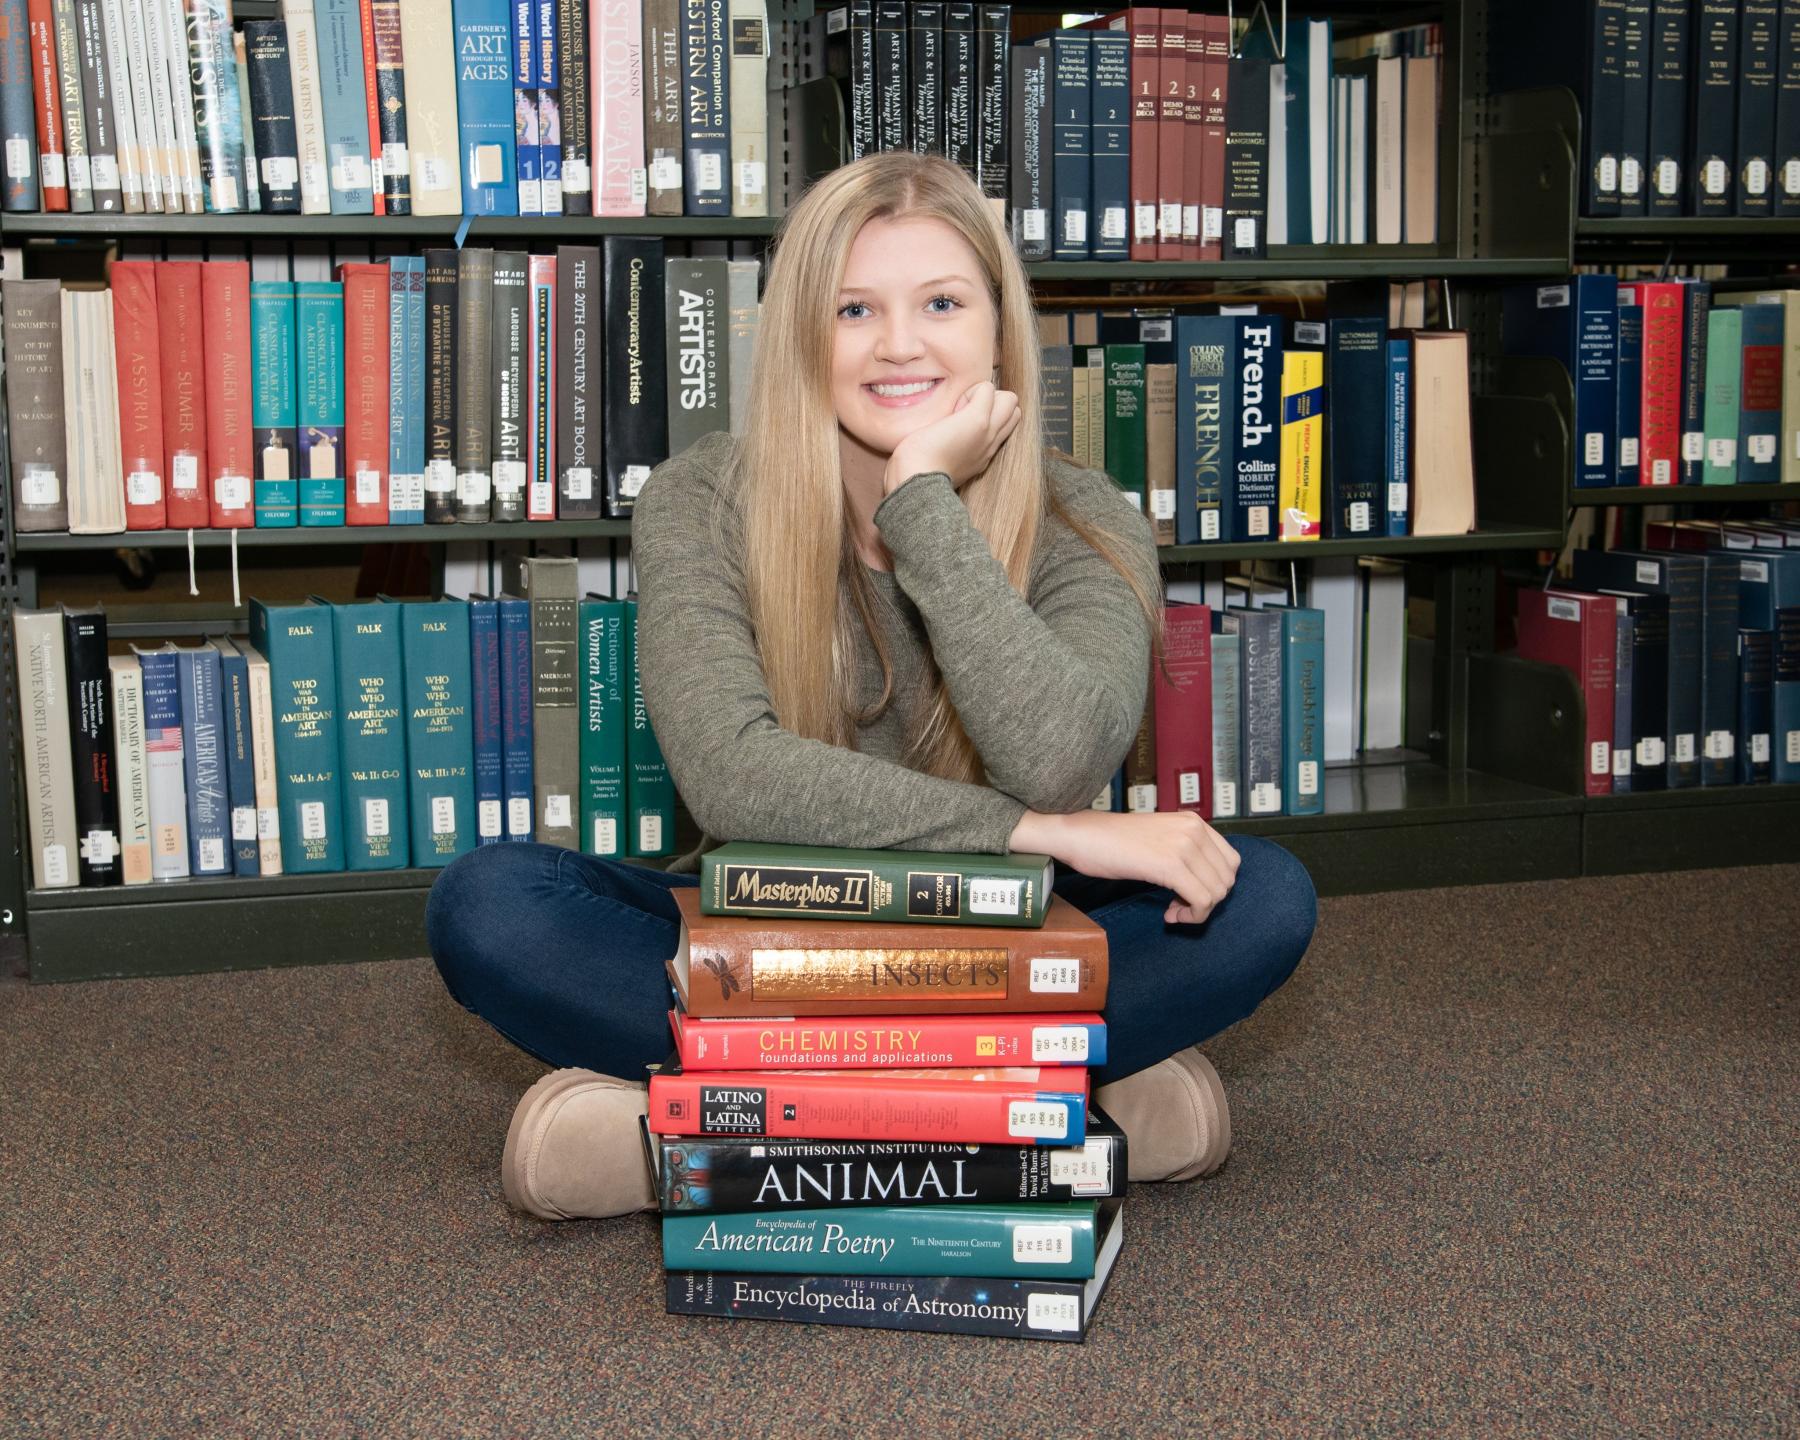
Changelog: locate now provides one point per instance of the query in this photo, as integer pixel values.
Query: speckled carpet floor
(1511, 1160)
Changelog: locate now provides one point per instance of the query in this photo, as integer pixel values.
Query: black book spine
(1605, 113)
(1247, 160)
(91, 741)
(1758, 47)
(890, 75)
(1787, 113)
(862, 79)
(1634, 108)
(993, 35)
(1712, 158)
(96, 90)
(578, 382)
(512, 300)
(1071, 161)
(1650, 692)
(1755, 705)
(959, 84)
(272, 115)
(1696, 296)
(706, 93)
(1671, 37)
(1031, 152)
(926, 69)
(577, 140)
(390, 105)
(634, 415)
(1719, 673)
(440, 387)
(474, 360)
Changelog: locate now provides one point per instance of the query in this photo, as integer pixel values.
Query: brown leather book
(727, 966)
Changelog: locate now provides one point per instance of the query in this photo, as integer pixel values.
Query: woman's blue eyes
(950, 300)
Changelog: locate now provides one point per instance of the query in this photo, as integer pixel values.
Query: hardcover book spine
(240, 758)
(1358, 374)
(180, 311)
(406, 390)
(1255, 481)
(1227, 703)
(91, 414)
(133, 769)
(925, 75)
(319, 319)
(1758, 48)
(262, 734)
(635, 417)
(748, 879)
(346, 108)
(664, 91)
(1671, 40)
(225, 305)
(1787, 112)
(549, 107)
(163, 752)
(309, 105)
(552, 586)
(1171, 125)
(1125, 422)
(1159, 447)
(959, 81)
(46, 92)
(74, 106)
(1192, 115)
(1631, 386)
(743, 318)
(1072, 99)
(439, 738)
(298, 644)
(870, 1046)
(577, 129)
(440, 386)
(1303, 670)
(1759, 413)
(1182, 695)
(510, 337)
(1396, 426)
(892, 91)
(527, 150)
(137, 182)
(1718, 674)
(387, 44)
(203, 771)
(1246, 160)
(1724, 362)
(138, 354)
(578, 369)
(1215, 71)
(1605, 108)
(618, 38)
(1032, 153)
(176, 61)
(1697, 308)
(993, 33)
(541, 391)
(749, 126)
(1712, 163)
(1785, 697)
(649, 790)
(474, 360)
(218, 117)
(1259, 718)
(1755, 706)
(605, 706)
(1110, 137)
(433, 139)
(252, 186)
(34, 404)
(1303, 402)
(484, 714)
(515, 715)
(90, 736)
(275, 404)
(706, 108)
(1634, 106)
(148, 34)
(1659, 450)
(97, 99)
(366, 392)
(485, 108)
(272, 115)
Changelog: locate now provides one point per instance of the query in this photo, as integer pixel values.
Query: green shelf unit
(1682, 494)
(45, 543)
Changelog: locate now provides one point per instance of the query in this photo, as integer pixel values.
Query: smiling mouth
(911, 390)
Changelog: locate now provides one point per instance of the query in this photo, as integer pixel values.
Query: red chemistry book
(53, 170)
(139, 360)
(1216, 72)
(225, 310)
(180, 335)
(970, 1107)
(1659, 430)
(1578, 632)
(366, 436)
(889, 1042)
(1171, 121)
(1183, 704)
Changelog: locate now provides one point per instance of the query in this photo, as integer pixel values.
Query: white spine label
(558, 812)
(1055, 976)
(606, 835)
(443, 814)
(1053, 1312)
(1087, 1171)
(312, 820)
(650, 833)
(1038, 1120)
(487, 819)
(518, 815)
(1059, 1044)
(993, 896)
(243, 822)
(375, 817)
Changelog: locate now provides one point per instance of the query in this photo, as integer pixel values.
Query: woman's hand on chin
(962, 444)
(1174, 849)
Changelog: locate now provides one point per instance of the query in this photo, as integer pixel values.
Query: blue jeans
(563, 953)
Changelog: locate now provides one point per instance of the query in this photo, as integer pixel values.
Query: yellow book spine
(1302, 443)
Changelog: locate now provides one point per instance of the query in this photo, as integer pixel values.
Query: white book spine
(133, 768)
(167, 785)
(1278, 181)
(181, 99)
(1388, 167)
(146, 41)
(91, 414)
(131, 173)
(1317, 35)
(749, 32)
(309, 106)
(131, 75)
(434, 146)
(262, 758)
(44, 743)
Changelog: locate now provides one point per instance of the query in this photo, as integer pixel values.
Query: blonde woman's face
(914, 329)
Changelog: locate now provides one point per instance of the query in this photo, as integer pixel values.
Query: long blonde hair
(797, 542)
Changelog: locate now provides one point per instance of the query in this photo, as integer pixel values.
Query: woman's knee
(1287, 904)
(471, 914)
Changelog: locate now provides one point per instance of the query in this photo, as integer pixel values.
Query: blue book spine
(1396, 427)
(1630, 403)
(1624, 674)
(1302, 709)
(203, 762)
(346, 107)
(397, 381)
(1110, 134)
(1205, 346)
(1071, 164)
(650, 791)
(1255, 476)
(1756, 593)
(1718, 673)
(240, 758)
(1576, 322)
(1759, 399)
(1356, 505)
(406, 479)
(17, 115)
(525, 107)
(706, 108)
(372, 735)
(484, 709)
(274, 403)
(163, 756)
(298, 644)
(515, 715)
(319, 314)
(1697, 302)
(1756, 719)
(1304, 227)
(549, 82)
(440, 747)
(1787, 697)
(484, 107)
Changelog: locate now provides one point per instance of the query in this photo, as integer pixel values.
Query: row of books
(1688, 660)
(1243, 427)
(860, 1124)
(467, 385)
(1688, 382)
(368, 736)
(387, 107)
(1689, 107)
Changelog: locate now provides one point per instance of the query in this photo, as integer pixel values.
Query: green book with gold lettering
(298, 643)
(440, 734)
(921, 886)
(371, 735)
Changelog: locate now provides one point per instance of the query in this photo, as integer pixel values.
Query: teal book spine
(650, 792)
(372, 736)
(275, 402)
(1000, 1241)
(1724, 359)
(1302, 708)
(297, 642)
(319, 314)
(346, 107)
(604, 707)
(440, 737)
(406, 390)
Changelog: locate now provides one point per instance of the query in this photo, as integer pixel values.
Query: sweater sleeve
(1052, 691)
(742, 776)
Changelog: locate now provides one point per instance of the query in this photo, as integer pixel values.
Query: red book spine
(366, 435)
(884, 1043)
(53, 172)
(1146, 86)
(1183, 701)
(180, 333)
(1216, 73)
(225, 311)
(540, 391)
(1659, 432)
(1578, 633)
(140, 392)
(372, 101)
(974, 1107)
(1171, 32)
(1192, 113)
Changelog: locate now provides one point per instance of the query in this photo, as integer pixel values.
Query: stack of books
(878, 1110)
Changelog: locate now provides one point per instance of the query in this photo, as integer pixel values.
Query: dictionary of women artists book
(1018, 1308)
(889, 1042)
(998, 1241)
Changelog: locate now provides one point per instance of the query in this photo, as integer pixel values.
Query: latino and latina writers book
(924, 888)
(888, 1042)
(741, 966)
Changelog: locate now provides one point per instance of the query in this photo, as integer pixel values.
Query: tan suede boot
(573, 1150)
(1176, 1122)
